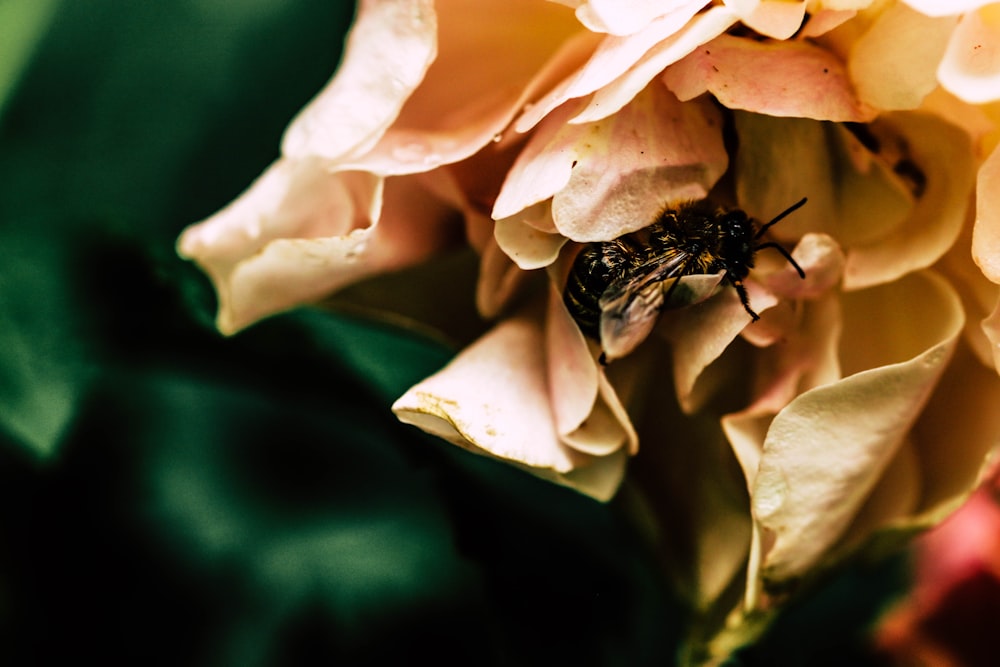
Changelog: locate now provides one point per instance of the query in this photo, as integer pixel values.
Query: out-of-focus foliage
(171, 497)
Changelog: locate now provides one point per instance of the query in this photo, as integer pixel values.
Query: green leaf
(22, 23)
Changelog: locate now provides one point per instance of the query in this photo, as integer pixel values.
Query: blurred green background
(171, 497)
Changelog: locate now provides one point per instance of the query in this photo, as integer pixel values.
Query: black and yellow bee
(616, 289)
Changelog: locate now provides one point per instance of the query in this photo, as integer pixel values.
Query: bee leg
(744, 299)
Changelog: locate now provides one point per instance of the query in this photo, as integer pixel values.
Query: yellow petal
(529, 247)
(945, 7)
(944, 154)
(827, 450)
(986, 233)
(894, 64)
(971, 65)
(773, 78)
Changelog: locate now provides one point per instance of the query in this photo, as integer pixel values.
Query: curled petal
(372, 83)
(612, 58)
(971, 65)
(600, 175)
(495, 398)
(700, 333)
(946, 8)
(611, 98)
(777, 78)
(301, 232)
(817, 468)
(944, 156)
(779, 19)
(483, 74)
(624, 17)
(894, 64)
(500, 280)
(822, 260)
(524, 242)
(986, 233)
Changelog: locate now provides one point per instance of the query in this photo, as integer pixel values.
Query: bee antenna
(778, 218)
(785, 254)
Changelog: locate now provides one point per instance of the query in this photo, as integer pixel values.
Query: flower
(859, 405)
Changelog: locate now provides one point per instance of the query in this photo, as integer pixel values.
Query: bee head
(736, 238)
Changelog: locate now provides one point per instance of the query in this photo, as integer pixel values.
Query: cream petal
(774, 78)
(654, 145)
(971, 65)
(946, 7)
(500, 280)
(944, 154)
(817, 467)
(986, 233)
(612, 58)
(524, 243)
(894, 63)
(599, 479)
(373, 82)
(625, 17)
(493, 398)
(826, 20)
(779, 19)
(611, 98)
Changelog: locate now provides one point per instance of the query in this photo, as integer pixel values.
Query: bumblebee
(616, 289)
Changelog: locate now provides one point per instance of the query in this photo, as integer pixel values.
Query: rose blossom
(861, 400)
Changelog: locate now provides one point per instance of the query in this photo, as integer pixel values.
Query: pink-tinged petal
(387, 54)
(654, 145)
(971, 66)
(775, 78)
(822, 260)
(301, 232)
(894, 64)
(589, 415)
(612, 58)
(854, 196)
(494, 398)
(524, 243)
(818, 468)
(986, 233)
(487, 67)
(946, 7)
(600, 175)
(572, 373)
(290, 200)
(779, 19)
(611, 98)
(944, 154)
(625, 17)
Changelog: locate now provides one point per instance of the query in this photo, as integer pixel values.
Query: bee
(616, 289)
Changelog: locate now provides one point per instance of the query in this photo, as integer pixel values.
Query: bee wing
(630, 307)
